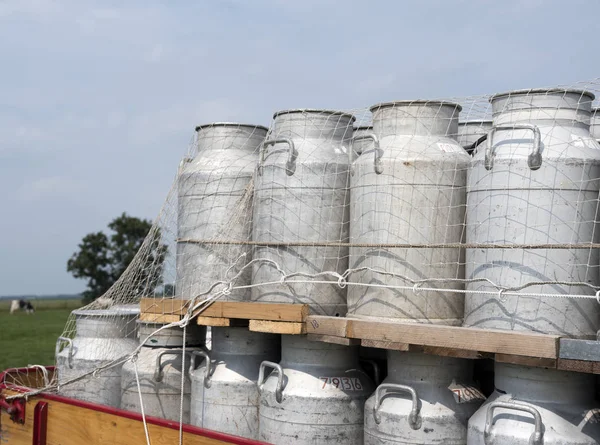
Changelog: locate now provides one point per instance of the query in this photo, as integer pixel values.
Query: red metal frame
(40, 423)
(121, 413)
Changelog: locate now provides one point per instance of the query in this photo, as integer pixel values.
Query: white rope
(183, 368)
(137, 381)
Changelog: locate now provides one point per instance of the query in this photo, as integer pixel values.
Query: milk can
(535, 183)
(224, 391)
(471, 133)
(102, 337)
(534, 406)
(424, 400)
(359, 144)
(314, 396)
(408, 188)
(215, 204)
(595, 124)
(301, 209)
(159, 367)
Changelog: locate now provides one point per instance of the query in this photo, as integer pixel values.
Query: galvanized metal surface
(159, 372)
(301, 194)
(535, 183)
(537, 406)
(470, 132)
(213, 191)
(595, 124)
(408, 190)
(315, 397)
(361, 144)
(102, 337)
(588, 350)
(225, 394)
(171, 337)
(424, 400)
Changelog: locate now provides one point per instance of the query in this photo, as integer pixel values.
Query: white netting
(400, 224)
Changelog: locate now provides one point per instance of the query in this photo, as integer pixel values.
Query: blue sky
(98, 99)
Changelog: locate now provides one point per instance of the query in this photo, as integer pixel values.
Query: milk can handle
(534, 161)
(208, 369)
(158, 372)
(376, 372)
(414, 418)
(378, 152)
(290, 165)
(59, 340)
(537, 436)
(280, 375)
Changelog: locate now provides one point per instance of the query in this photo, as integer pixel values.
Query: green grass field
(30, 339)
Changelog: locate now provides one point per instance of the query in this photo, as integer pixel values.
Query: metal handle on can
(534, 161)
(261, 376)
(414, 418)
(290, 165)
(378, 151)
(537, 436)
(70, 355)
(158, 372)
(208, 370)
(376, 373)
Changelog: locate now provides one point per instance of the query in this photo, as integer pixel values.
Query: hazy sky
(98, 99)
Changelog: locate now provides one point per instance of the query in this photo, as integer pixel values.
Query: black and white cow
(21, 305)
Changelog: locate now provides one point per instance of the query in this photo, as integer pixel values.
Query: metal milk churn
(361, 144)
(215, 204)
(315, 395)
(595, 124)
(301, 208)
(102, 337)
(470, 132)
(535, 183)
(424, 400)
(408, 188)
(535, 406)
(224, 391)
(159, 368)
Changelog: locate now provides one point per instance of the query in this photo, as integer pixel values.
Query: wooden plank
(321, 325)
(159, 318)
(449, 352)
(385, 345)
(587, 350)
(163, 306)
(333, 339)
(578, 366)
(486, 340)
(213, 321)
(536, 362)
(277, 327)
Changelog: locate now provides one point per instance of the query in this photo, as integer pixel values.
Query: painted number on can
(343, 383)
(466, 393)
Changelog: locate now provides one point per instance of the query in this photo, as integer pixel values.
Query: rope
(183, 368)
(390, 245)
(137, 381)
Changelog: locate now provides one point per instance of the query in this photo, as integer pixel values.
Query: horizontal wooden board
(333, 339)
(229, 309)
(536, 362)
(213, 321)
(384, 345)
(321, 325)
(578, 366)
(277, 327)
(159, 318)
(452, 337)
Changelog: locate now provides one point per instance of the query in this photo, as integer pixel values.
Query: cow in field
(21, 305)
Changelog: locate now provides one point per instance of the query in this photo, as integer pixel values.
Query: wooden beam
(159, 318)
(578, 366)
(485, 340)
(333, 339)
(229, 309)
(321, 325)
(213, 321)
(277, 327)
(385, 345)
(526, 361)
(449, 352)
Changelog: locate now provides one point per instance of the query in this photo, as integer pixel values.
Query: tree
(102, 259)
